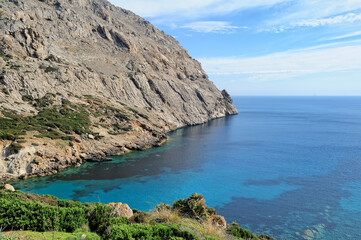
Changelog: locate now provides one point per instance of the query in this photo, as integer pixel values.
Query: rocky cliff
(83, 79)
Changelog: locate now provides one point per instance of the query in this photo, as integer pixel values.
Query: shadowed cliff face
(76, 50)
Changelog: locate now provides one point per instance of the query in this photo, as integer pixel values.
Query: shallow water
(289, 167)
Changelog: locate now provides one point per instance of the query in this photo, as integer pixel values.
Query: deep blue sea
(289, 167)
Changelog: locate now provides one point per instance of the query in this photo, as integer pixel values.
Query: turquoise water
(289, 167)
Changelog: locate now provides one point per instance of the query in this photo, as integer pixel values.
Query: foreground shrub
(19, 211)
(142, 231)
(17, 214)
(194, 207)
(241, 233)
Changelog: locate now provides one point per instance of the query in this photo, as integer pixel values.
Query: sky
(266, 47)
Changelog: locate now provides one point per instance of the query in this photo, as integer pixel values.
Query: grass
(205, 229)
(31, 235)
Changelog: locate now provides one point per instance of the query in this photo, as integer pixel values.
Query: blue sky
(266, 47)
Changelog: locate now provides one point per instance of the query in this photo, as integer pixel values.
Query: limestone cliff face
(77, 50)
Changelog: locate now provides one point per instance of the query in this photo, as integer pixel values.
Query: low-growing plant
(242, 233)
(18, 214)
(5, 91)
(57, 122)
(143, 231)
(194, 207)
(15, 148)
(100, 218)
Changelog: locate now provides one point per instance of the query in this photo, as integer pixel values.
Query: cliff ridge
(83, 79)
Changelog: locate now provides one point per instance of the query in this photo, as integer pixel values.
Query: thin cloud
(212, 27)
(190, 9)
(285, 65)
(349, 35)
(305, 13)
(347, 18)
(340, 19)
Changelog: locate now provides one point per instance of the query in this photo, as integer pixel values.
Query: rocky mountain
(83, 79)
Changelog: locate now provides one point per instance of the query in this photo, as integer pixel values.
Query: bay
(289, 167)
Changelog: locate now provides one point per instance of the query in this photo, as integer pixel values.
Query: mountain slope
(122, 82)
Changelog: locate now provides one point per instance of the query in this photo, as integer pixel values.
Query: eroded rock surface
(92, 54)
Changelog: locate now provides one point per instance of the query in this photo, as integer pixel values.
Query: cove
(288, 167)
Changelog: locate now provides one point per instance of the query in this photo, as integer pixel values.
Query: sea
(289, 167)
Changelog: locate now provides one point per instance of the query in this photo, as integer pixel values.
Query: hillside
(83, 79)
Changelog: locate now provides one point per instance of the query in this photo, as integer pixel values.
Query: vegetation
(6, 57)
(62, 121)
(31, 235)
(51, 218)
(43, 102)
(138, 113)
(48, 69)
(194, 207)
(56, 122)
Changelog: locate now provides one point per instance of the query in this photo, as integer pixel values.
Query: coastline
(141, 143)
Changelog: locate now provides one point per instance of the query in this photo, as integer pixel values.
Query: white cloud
(340, 19)
(347, 18)
(212, 27)
(285, 65)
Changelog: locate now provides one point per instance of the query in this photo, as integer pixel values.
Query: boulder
(121, 209)
(9, 187)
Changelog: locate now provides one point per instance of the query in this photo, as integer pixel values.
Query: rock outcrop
(128, 82)
(121, 209)
(9, 187)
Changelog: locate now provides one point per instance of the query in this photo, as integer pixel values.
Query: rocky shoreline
(41, 161)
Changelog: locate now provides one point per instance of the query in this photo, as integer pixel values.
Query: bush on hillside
(142, 231)
(194, 207)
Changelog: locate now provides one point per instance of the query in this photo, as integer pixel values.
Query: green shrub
(50, 58)
(17, 214)
(5, 91)
(27, 98)
(15, 148)
(48, 69)
(121, 116)
(100, 218)
(55, 123)
(133, 110)
(239, 232)
(194, 207)
(139, 217)
(6, 57)
(143, 116)
(143, 231)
